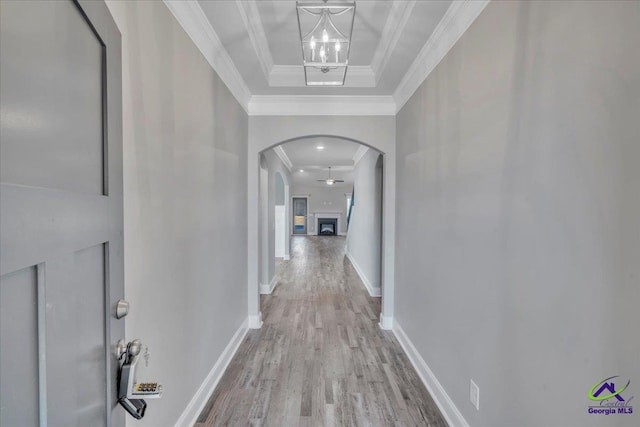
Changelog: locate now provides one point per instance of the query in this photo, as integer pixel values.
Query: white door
(61, 260)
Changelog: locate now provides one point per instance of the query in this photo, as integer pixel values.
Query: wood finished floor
(320, 358)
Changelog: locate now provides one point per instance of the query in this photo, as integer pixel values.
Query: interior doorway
(274, 132)
(300, 209)
(336, 194)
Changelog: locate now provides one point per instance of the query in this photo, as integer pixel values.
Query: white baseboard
(440, 397)
(286, 257)
(374, 292)
(267, 289)
(195, 406)
(255, 322)
(386, 322)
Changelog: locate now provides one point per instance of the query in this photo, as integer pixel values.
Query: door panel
(19, 344)
(46, 222)
(75, 301)
(61, 256)
(51, 77)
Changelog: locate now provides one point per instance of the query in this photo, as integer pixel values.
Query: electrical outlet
(474, 395)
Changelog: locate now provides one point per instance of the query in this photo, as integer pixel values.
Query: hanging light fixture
(325, 33)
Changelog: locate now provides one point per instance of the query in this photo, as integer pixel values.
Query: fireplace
(327, 226)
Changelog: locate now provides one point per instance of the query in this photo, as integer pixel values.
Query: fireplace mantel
(327, 214)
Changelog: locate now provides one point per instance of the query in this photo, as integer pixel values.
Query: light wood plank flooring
(320, 358)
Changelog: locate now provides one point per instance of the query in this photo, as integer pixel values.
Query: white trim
(192, 18)
(293, 76)
(253, 24)
(286, 257)
(321, 105)
(286, 76)
(190, 415)
(255, 321)
(393, 28)
(283, 157)
(374, 292)
(437, 392)
(386, 322)
(360, 152)
(456, 20)
(41, 301)
(268, 289)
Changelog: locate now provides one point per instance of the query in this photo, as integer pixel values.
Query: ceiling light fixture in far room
(329, 180)
(320, 147)
(301, 170)
(325, 33)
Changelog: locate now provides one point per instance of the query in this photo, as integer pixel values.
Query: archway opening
(335, 192)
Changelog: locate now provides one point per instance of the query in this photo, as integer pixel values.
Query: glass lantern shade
(325, 33)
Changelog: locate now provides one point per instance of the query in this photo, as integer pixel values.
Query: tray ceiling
(254, 47)
(262, 39)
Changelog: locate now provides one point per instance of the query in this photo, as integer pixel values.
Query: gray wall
(264, 221)
(185, 186)
(365, 232)
(518, 206)
(279, 197)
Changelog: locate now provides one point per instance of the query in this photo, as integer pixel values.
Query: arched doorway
(377, 132)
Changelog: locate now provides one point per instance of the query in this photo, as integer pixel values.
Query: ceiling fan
(330, 181)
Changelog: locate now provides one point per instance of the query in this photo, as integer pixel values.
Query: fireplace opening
(327, 227)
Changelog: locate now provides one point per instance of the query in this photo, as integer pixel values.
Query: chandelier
(325, 32)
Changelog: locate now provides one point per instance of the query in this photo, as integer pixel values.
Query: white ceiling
(338, 153)
(304, 153)
(261, 37)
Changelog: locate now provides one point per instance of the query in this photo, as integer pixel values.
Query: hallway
(320, 357)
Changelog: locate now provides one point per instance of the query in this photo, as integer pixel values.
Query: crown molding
(393, 29)
(193, 20)
(456, 20)
(283, 157)
(321, 105)
(360, 152)
(293, 76)
(253, 23)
